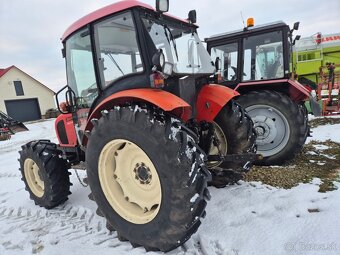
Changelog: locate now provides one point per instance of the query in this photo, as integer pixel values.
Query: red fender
(297, 91)
(211, 100)
(164, 100)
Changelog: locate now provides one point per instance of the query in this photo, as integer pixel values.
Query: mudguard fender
(166, 101)
(211, 100)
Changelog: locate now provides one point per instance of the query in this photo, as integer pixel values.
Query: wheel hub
(219, 145)
(34, 177)
(142, 173)
(129, 181)
(265, 129)
(272, 129)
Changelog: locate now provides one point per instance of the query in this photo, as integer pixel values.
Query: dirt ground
(317, 160)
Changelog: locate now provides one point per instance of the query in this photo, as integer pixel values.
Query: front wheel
(147, 177)
(280, 125)
(44, 173)
(233, 134)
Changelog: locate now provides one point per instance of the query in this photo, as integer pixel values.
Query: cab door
(229, 62)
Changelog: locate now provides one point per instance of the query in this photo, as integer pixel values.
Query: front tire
(280, 125)
(147, 177)
(45, 175)
(234, 130)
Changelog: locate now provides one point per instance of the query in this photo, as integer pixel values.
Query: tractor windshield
(181, 47)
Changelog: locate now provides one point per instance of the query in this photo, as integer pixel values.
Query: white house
(22, 97)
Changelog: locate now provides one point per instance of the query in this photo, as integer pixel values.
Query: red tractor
(141, 117)
(255, 61)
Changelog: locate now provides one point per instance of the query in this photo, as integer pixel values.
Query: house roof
(5, 70)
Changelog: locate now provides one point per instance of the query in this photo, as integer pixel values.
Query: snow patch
(192, 168)
(321, 147)
(190, 151)
(139, 109)
(194, 198)
(174, 132)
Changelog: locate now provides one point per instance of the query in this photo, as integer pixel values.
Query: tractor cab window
(263, 57)
(181, 46)
(228, 55)
(117, 48)
(80, 69)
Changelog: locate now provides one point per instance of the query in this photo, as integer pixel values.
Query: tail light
(157, 80)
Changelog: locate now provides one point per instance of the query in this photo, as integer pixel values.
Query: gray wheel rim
(272, 129)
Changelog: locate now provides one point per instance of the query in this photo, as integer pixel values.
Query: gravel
(317, 160)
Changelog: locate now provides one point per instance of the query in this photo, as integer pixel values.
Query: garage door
(23, 109)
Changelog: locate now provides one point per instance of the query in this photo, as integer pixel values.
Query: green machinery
(317, 63)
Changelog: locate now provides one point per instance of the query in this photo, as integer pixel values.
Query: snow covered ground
(250, 218)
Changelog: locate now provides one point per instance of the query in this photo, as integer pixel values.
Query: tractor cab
(255, 53)
(129, 45)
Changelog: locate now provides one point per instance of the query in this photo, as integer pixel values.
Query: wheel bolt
(127, 198)
(115, 176)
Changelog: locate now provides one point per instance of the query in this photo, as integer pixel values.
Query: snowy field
(249, 218)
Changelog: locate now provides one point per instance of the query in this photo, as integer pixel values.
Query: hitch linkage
(236, 157)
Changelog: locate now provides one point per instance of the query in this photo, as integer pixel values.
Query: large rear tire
(234, 130)
(45, 175)
(280, 124)
(147, 177)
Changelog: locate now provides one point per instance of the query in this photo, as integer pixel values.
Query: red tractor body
(144, 121)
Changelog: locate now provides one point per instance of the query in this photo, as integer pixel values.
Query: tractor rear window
(117, 48)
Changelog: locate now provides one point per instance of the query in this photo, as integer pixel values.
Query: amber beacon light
(250, 22)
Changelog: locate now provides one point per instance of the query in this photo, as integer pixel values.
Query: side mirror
(296, 39)
(162, 5)
(70, 105)
(192, 17)
(158, 59)
(296, 25)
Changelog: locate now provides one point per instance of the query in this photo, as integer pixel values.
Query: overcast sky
(30, 30)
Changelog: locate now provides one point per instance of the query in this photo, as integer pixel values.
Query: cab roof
(106, 11)
(254, 29)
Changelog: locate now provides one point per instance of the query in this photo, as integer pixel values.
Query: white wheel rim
(129, 181)
(33, 178)
(222, 148)
(272, 129)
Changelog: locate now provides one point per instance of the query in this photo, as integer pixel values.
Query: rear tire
(280, 123)
(157, 153)
(240, 137)
(45, 175)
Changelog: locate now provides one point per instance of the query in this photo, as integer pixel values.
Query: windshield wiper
(115, 62)
(171, 38)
